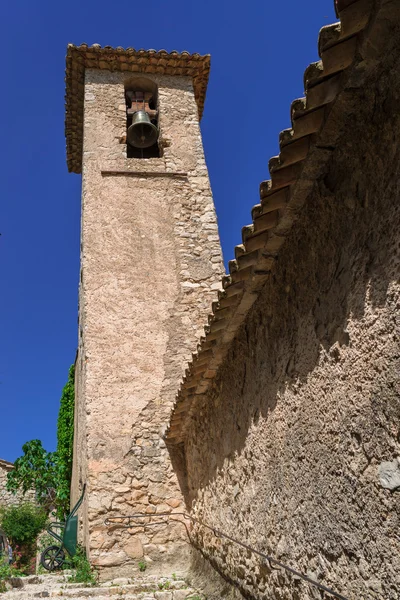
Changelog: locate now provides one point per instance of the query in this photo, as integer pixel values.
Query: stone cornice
(127, 60)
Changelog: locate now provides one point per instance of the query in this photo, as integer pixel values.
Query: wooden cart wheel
(52, 558)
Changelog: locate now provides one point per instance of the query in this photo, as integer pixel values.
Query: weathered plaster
(150, 267)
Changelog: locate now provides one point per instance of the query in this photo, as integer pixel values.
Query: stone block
(121, 581)
(181, 594)
(134, 548)
(389, 474)
(163, 595)
(110, 559)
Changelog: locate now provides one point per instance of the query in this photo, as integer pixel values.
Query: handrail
(112, 521)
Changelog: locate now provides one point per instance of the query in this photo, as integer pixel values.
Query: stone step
(143, 588)
(118, 590)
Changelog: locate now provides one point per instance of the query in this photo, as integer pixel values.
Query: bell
(142, 133)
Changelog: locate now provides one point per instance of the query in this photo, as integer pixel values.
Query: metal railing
(130, 522)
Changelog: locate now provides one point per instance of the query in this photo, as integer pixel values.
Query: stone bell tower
(151, 265)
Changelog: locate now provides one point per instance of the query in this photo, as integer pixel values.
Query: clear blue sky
(259, 50)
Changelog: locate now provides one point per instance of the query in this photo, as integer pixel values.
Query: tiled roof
(127, 60)
(305, 149)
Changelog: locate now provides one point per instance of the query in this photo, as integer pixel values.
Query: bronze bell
(142, 133)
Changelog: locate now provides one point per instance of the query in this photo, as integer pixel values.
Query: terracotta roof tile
(303, 156)
(162, 62)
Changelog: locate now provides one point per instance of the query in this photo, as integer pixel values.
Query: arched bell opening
(142, 131)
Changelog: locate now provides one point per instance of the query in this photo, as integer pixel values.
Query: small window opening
(141, 124)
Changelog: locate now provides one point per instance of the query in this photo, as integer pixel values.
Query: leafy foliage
(34, 470)
(7, 571)
(83, 572)
(49, 473)
(65, 442)
(142, 565)
(22, 523)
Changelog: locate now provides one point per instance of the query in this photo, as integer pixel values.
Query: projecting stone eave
(129, 60)
(5, 464)
(305, 150)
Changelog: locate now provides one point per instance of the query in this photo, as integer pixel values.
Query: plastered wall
(150, 267)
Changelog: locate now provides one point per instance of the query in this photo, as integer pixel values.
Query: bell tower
(151, 265)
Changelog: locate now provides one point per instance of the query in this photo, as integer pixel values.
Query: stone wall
(150, 266)
(6, 498)
(285, 453)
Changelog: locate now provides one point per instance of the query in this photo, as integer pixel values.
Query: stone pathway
(141, 588)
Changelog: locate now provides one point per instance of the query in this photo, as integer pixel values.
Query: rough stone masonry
(150, 266)
(293, 448)
(6, 497)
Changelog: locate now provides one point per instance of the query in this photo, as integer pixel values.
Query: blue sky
(259, 50)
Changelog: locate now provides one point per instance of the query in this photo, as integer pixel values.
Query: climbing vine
(65, 442)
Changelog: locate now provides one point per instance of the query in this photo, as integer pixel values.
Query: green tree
(34, 470)
(65, 443)
(49, 473)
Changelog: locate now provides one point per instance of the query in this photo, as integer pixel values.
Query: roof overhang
(5, 464)
(348, 50)
(80, 58)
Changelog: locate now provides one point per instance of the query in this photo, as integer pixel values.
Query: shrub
(22, 524)
(83, 572)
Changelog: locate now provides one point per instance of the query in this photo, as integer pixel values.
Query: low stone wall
(288, 451)
(6, 498)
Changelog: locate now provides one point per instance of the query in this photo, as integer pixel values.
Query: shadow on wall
(339, 260)
(283, 451)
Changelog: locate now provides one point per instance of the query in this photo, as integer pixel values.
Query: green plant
(174, 577)
(65, 442)
(7, 571)
(83, 572)
(42, 543)
(164, 585)
(22, 523)
(142, 564)
(34, 470)
(49, 473)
